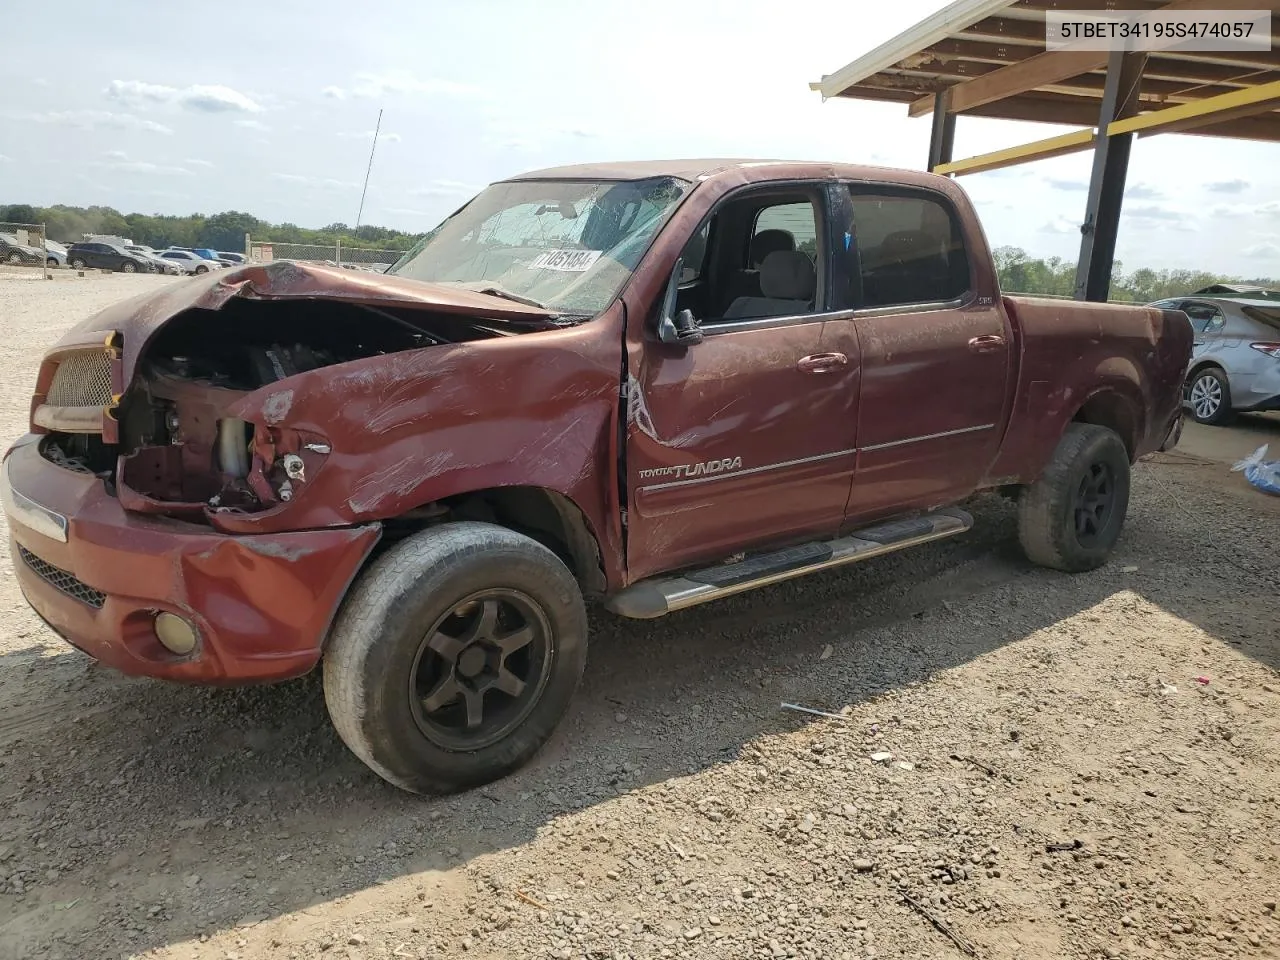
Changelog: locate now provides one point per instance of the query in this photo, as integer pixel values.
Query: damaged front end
(193, 423)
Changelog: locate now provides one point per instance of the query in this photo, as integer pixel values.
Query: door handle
(821, 362)
(986, 343)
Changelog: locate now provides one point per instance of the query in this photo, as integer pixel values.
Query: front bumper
(98, 575)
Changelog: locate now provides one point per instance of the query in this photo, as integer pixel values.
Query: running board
(662, 595)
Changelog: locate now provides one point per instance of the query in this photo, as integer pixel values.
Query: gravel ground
(1046, 765)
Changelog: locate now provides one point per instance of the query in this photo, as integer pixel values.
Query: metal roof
(990, 58)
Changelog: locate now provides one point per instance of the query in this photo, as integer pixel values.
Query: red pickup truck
(654, 383)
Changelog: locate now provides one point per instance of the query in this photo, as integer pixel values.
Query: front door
(744, 439)
(936, 353)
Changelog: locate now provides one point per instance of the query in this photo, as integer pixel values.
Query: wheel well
(543, 515)
(1114, 412)
(1203, 365)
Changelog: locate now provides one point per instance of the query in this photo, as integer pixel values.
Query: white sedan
(190, 262)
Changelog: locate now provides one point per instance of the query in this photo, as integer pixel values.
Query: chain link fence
(334, 254)
(23, 245)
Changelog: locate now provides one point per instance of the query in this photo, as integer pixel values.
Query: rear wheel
(51, 263)
(1071, 518)
(202, 269)
(455, 656)
(15, 257)
(1209, 394)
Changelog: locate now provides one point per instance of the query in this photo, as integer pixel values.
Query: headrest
(787, 275)
(767, 241)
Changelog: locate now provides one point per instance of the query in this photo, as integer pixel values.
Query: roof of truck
(695, 169)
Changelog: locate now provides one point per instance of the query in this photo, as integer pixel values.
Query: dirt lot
(1131, 715)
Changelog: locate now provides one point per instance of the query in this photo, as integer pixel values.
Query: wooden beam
(1187, 116)
(1041, 70)
(1039, 150)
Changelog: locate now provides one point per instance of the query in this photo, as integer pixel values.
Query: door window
(758, 257)
(1204, 317)
(910, 250)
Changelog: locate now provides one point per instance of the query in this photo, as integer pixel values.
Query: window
(910, 250)
(787, 226)
(1204, 317)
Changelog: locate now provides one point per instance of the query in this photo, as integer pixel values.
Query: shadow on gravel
(138, 814)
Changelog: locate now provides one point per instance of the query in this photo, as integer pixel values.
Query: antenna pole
(369, 169)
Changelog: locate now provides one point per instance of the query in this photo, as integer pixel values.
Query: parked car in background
(238, 259)
(161, 265)
(55, 254)
(107, 256)
(17, 253)
(189, 262)
(1235, 359)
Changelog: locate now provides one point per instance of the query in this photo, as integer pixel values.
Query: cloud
(1057, 183)
(4, 159)
(1227, 186)
(1142, 191)
(1262, 251)
(445, 188)
(1060, 225)
(367, 135)
(202, 98)
(197, 163)
(118, 160)
(252, 125)
(90, 119)
(1270, 209)
(325, 183)
(375, 86)
(1232, 210)
(1153, 211)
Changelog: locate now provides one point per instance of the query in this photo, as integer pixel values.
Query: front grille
(64, 581)
(82, 379)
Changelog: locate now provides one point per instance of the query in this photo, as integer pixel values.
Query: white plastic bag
(1263, 474)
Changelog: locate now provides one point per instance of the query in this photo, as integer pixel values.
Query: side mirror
(683, 327)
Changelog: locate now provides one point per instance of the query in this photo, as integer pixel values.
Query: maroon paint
(541, 409)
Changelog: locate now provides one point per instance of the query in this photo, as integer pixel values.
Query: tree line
(1021, 273)
(219, 231)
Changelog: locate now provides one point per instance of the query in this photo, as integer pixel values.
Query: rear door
(746, 438)
(935, 347)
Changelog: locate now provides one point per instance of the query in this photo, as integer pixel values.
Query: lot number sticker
(574, 261)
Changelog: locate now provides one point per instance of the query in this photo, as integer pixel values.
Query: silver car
(1235, 363)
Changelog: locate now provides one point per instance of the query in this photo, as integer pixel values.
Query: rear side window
(1204, 317)
(910, 249)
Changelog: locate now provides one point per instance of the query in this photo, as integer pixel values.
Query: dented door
(744, 439)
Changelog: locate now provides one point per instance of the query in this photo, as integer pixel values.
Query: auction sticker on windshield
(574, 261)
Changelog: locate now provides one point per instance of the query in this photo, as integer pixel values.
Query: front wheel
(202, 269)
(128, 267)
(1071, 518)
(1209, 394)
(51, 263)
(77, 264)
(15, 258)
(455, 656)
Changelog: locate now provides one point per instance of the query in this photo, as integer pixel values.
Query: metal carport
(987, 58)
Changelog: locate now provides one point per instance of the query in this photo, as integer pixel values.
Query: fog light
(177, 635)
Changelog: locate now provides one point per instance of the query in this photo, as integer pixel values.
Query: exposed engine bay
(179, 454)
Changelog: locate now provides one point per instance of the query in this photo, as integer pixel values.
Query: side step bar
(662, 595)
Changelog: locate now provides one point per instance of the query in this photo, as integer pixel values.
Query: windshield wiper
(514, 297)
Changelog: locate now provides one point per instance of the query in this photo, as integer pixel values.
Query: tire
(1209, 394)
(15, 258)
(77, 264)
(384, 663)
(1054, 524)
(51, 263)
(202, 269)
(128, 267)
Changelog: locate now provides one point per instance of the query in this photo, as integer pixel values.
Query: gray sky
(269, 106)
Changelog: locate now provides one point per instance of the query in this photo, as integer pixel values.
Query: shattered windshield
(567, 245)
